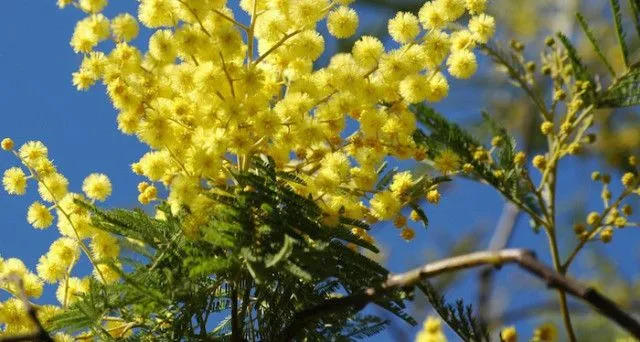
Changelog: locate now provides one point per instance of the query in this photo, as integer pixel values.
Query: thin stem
(553, 244)
(228, 18)
(591, 233)
(276, 46)
(562, 297)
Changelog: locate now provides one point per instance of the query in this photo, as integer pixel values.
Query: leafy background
(37, 101)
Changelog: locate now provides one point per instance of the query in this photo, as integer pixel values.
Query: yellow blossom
(404, 28)
(7, 144)
(14, 181)
(342, 22)
(97, 186)
(39, 216)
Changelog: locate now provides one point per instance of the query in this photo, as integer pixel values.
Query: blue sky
(37, 101)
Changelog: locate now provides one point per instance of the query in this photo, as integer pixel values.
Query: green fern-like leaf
(594, 43)
(635, 11)
(617, 19)
(458, 317)
(624, 92)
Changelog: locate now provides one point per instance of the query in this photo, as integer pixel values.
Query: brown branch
(525, 259)
(40, 334)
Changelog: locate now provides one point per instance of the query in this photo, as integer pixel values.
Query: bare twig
(40, 334)
(524, 258)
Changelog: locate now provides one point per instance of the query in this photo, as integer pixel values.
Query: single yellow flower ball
(433, 197)
(520, 158)
(342, 22)
(124, 27)
(404, 27)
(546, 127)
(39, 216)
(483, 26)
(606, 235)
(97, 186)
(628, 179)
(462, 64)
(540, 162)
(92, 6)
(593, 218)
(509, 334)
(7, 144)
(14, 181)
(384, 205)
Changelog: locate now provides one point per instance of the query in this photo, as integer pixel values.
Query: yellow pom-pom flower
(431, 331)
(50, 270)
(342, 22)
(483, 26)
(39, 216)
(476, 6)
(7, 144)
(447, 161)
(92, 6)
(97, 186)
(404, 28)
(367, 51)
(14, 181)
(32, 151)
(431, 16)
(415, 88)
(124, 27)
(462, 64)
(53, 188)
(384, 205)
(433, 197)
(509, 334)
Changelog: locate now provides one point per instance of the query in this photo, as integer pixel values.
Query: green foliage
(579, 69)
(444, 134)
(635, 11)
(617, 20)
(262, 243)
(625, 92)
(594, 42)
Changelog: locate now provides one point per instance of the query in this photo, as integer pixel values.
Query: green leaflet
(447, 135)
(594, 43)
(617, 19)
(623, 93)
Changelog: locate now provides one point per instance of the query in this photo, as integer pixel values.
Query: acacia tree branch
(40, 334)
(524, 258)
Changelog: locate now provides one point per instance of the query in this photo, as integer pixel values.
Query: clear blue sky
(37, 101)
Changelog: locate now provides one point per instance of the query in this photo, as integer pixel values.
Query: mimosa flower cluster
(77, 237)
(209, 92)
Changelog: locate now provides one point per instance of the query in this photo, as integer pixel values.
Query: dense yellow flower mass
(206, 99)
(207, 93)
